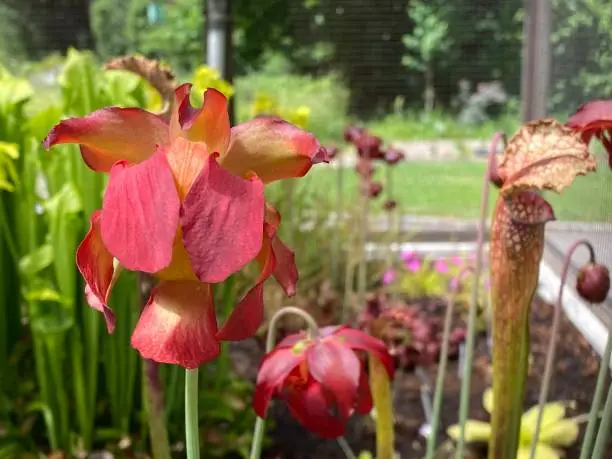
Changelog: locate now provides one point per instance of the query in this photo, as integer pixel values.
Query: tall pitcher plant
(542, 155)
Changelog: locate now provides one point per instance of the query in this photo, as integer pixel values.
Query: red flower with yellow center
(185, 203)
(322, 380)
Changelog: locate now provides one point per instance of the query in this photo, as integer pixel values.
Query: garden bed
(575, 374)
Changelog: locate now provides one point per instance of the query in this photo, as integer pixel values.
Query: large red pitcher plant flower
(594, 119)
(322, 379)
(185, 203)
(542, 155)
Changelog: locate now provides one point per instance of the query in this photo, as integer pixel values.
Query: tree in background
(582, 52)
(428, 44)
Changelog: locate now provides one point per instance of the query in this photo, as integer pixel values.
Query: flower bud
(364, 168)
(494, 174)
(393, 156)
(368, 146)
(372, 189)
(332, 152)
(593, 282)
(390, 204)
(352, 133)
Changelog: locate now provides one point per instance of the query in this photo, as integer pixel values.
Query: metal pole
(219, 42)
(536, 60)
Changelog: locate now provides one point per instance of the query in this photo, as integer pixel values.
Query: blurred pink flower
(457, 260)
(441, 266)
(388, 277)
(413, 265)
(408, 256)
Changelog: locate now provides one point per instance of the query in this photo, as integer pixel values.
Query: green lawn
(452, 189)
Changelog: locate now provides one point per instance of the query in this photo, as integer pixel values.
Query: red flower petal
(358, 339)
(248, 315)
(273, 370)
(209, 124)
(312, 408)
(291, 340)
(112, 134)
(285, 272)
(364, 394)
(222, 222)
(337, 368)
(96, 266)
(178, 325)
(273, 149)
(591, 117)
(140, 214)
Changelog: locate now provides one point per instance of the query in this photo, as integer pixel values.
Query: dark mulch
(575, 376)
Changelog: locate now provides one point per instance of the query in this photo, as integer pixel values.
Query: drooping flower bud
(390, 204)
(593, 282)
(368, 146)
(372, 189)
(393, 156)
(352, 133)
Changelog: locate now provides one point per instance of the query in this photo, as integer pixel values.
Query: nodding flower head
(593, 282)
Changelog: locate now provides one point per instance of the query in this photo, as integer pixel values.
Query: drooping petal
(112, 134)
(222, 222)
(311, 407)
(140, 214)
(272, 218)
(358, 339)
(592, 118)
(95, 263)
(273, 370)
(337, 369)
(273, 149)
(248, 315)
(285, 272)
(178, 325)
(209, 124)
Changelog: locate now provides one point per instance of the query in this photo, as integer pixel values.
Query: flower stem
(439, 393)
(192, 436)
(604, 427)
(154, 397)
(336, 246)
(313, 330)
(552, 344)
(604, 368)
(346, 449)
(471, 325)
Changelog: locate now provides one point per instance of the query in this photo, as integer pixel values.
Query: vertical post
(219, 41)
(536, 60)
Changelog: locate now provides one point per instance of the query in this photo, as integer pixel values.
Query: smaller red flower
(352, 133)
(323, 379)
(369, 146)
(372, 189)
(593, 282)
(390, 204)
(594, 119)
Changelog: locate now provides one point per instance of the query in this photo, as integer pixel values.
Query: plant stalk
(383, 404)
(604, 369)
(154, 397)
(439, 392)
(552, 344)
(192, 434)
(471, 325)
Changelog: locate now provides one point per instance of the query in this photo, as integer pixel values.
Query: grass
(437, 125)
(453, 188)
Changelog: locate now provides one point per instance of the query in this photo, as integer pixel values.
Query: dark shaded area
(46, 26)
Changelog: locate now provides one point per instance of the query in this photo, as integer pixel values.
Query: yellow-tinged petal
(112, 134)
(542, 452)
(475, 431)
(553, 412)
(562, 433)
(273, 149)
(487, 400)
(186, 160)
